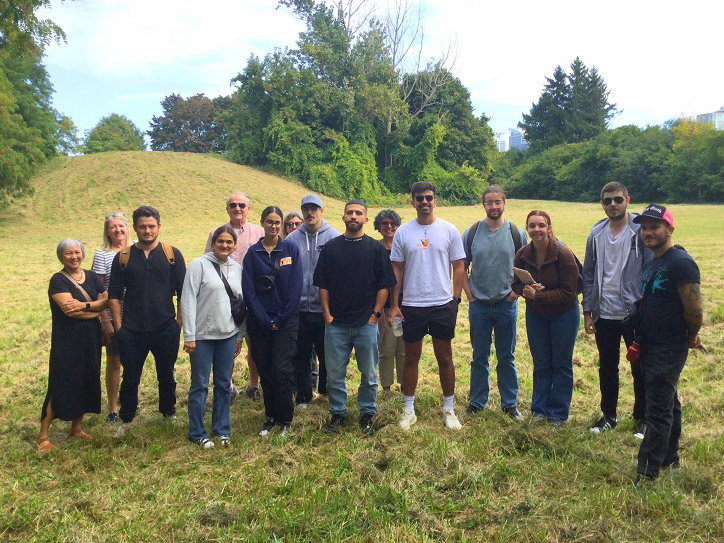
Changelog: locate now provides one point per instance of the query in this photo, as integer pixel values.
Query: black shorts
(438, 321)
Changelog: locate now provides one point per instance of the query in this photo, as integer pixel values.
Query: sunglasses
(618, 199)
(293, 224)
(234, 205)
(389, 223)
(425, 197)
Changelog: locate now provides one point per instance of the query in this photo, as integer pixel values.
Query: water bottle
(397, 326)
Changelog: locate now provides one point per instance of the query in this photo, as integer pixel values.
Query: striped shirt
(102, 260)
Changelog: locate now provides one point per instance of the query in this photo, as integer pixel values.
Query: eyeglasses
(424, 197)
(234, 205)
(491, 203)
(390, 224)
(618, 199)
(292, 224)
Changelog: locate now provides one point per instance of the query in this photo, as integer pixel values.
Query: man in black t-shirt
(146, 285)
(353, 275)
(670, 319)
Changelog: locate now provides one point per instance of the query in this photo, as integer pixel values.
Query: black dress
(74, 379)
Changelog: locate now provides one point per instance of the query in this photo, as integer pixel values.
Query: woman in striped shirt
(116, 236)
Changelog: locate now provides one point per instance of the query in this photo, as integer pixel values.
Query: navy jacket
(279, 304)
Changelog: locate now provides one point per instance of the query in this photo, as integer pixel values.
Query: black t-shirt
(353, 270)
(150, 284)
(662, 312)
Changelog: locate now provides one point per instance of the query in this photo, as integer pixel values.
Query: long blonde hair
(106, 238)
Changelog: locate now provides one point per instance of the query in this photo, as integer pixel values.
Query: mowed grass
(495, 480)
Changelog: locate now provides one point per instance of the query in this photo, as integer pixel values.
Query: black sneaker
(603, 425)
(365, 422)
(471, 410)
(267, 427)
(112, 418)
(513, 412)
(639, 429)
(335, 422)
(253, 393)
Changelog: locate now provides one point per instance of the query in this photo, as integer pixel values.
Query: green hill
(496, 480)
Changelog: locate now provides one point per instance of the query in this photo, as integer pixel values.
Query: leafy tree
(572, 108)
(113, 133)
(30, 129)
(66, 135)
(192, 125)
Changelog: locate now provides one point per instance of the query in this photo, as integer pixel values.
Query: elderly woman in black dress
(77, 299)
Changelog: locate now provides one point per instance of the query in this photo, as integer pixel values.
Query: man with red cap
(668, 323)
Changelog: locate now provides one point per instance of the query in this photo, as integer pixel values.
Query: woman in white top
(211, 337)
(116, 236)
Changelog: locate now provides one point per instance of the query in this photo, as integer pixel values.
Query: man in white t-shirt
(612, 270)
(423, 251)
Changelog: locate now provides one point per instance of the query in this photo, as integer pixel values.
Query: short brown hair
(614, 186)
(422, 186)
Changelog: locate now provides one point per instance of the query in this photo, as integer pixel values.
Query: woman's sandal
(44, 445)
(81, 434)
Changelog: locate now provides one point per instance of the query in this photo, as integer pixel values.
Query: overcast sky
(659, 59)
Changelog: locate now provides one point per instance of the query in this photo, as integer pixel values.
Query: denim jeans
(134, 348)
(551, 346)
(219, 355)
(661, 366)
(608, 341)
(501, 318)
(338, 343)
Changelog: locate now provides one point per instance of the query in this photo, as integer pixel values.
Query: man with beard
(423, 252)
(145, 284)
(491, 245)
(670, 316)
(612, 270)
(353, 275)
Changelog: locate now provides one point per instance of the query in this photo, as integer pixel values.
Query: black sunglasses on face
(618, 199)
(234, 205)
(389, 223)
(422, 198)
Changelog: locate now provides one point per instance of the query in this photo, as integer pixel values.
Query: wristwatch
(458, 300)
(87, 306)
(377, 314)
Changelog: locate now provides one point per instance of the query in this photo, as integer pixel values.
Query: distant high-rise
(715, 117)
(510, 139)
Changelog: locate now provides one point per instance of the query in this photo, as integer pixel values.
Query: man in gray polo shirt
(493, 305)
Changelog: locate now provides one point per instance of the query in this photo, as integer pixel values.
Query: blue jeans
(338, 343)
(500, 317)
(219, 354)
(551, 346)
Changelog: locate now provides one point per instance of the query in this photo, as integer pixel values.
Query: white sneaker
(302, 405)
(407, 419)
(451, 420)
(122, 427)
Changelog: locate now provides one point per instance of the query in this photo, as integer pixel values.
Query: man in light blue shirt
(490, 246)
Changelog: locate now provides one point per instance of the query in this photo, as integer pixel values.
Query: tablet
(524, 276)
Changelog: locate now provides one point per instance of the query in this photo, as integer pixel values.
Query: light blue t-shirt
(491, 271)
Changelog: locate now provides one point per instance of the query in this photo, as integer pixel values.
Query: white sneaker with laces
(407, 419)
(122, 428)
(451, 420)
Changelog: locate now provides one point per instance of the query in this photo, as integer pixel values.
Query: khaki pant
(392, 353)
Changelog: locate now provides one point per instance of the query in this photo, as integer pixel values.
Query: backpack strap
(469, 243)
(515, 234)
(123, 257)
(168, 251)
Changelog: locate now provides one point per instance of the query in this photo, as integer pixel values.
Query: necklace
(80, 278)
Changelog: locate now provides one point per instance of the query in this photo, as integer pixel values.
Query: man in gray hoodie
(612, 270)
(310, 237)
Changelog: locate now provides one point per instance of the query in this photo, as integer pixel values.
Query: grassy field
(496, 480)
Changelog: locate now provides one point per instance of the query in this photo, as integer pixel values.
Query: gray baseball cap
(311, 199)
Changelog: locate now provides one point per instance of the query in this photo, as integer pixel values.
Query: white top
(102, 260)
(615, 254)
(427, 251)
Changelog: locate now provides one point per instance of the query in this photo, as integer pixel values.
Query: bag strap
(223, 280)
(469, 242)
(125, 254)
(515, 234)
(77, 285)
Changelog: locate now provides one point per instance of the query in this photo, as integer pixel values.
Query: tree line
(353, 111)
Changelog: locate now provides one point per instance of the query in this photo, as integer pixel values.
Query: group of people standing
(304, 296)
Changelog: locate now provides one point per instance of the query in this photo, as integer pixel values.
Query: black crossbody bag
(238, 307)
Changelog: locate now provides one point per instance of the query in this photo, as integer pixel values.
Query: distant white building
(510, 139)
(715, 117)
